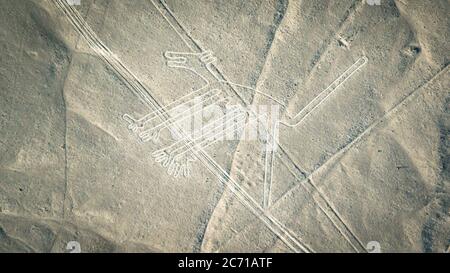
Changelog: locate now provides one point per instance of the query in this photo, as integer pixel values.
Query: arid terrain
(92, 156)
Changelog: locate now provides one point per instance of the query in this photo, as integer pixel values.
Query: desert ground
(357, 161)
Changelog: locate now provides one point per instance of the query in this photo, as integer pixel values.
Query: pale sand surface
(370, 163)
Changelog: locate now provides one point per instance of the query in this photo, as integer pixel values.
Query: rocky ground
(370, 163)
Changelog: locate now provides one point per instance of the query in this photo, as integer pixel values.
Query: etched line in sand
(143, 94)
(154, 132)
(135, 124)
(171, 157)
(162, 7)
(319, 99)
(269, 160)
(367, 132)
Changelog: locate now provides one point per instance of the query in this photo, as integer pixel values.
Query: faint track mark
(137, 87)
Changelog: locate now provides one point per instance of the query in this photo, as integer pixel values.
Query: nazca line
(241, 126)
(323, 95)
(154, 131)
(169, 158)
(173, 61)
(137, 87)
(139, 123)
(168, 15)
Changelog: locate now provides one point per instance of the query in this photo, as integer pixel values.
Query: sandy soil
(368, 163)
